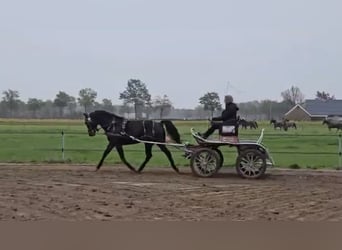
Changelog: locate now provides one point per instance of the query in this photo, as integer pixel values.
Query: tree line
(138, 103)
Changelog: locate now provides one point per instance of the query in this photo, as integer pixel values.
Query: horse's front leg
(109, 148)
(123, 159)
(148, 154)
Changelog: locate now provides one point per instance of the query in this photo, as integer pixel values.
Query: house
(313, 110)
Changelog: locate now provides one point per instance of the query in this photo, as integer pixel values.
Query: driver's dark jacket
(229, 113)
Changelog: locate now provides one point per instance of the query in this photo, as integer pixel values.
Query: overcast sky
(252, 49)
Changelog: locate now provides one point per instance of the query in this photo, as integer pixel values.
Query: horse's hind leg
(123, 159)
(148, 153)
(169, 156)
(109, 148)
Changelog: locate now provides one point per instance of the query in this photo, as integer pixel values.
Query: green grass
(312, 145)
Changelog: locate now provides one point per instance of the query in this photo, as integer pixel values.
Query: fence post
(339, 151)
(62, 145)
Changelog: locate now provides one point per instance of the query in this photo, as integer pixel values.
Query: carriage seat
(229, 131)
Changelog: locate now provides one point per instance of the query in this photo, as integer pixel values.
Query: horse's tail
(171, 130)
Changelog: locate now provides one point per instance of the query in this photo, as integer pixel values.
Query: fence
(310, 150)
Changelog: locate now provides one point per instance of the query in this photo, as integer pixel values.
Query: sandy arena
(75, 193)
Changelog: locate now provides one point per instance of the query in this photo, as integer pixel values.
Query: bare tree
(293, 96)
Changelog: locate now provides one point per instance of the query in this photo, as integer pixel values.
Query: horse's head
(272, 121)
(91, 124)
(101, 119)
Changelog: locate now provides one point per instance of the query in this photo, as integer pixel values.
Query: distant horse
(118, 131)
(290, 124)
(251, 124)
(277, 124)
(333, 123)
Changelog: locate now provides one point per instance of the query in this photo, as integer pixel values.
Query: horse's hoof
(134, 170)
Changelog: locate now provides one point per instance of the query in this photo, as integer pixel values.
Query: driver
(228, 115)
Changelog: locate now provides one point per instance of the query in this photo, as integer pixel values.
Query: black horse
(251, 124)
(276, 124)
(120, 131)
(333, 123)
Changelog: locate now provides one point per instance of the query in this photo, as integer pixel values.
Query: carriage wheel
(251, 164)
(205, 162)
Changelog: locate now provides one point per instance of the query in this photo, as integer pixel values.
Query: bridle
(90, 125)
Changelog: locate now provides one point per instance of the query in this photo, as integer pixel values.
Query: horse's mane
(105, 113)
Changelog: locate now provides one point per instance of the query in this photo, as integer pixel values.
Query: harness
(117, 127)
(148, 133)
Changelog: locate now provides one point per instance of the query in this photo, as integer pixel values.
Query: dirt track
(114, 193)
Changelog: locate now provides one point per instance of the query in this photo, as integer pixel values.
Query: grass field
(312, 145)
